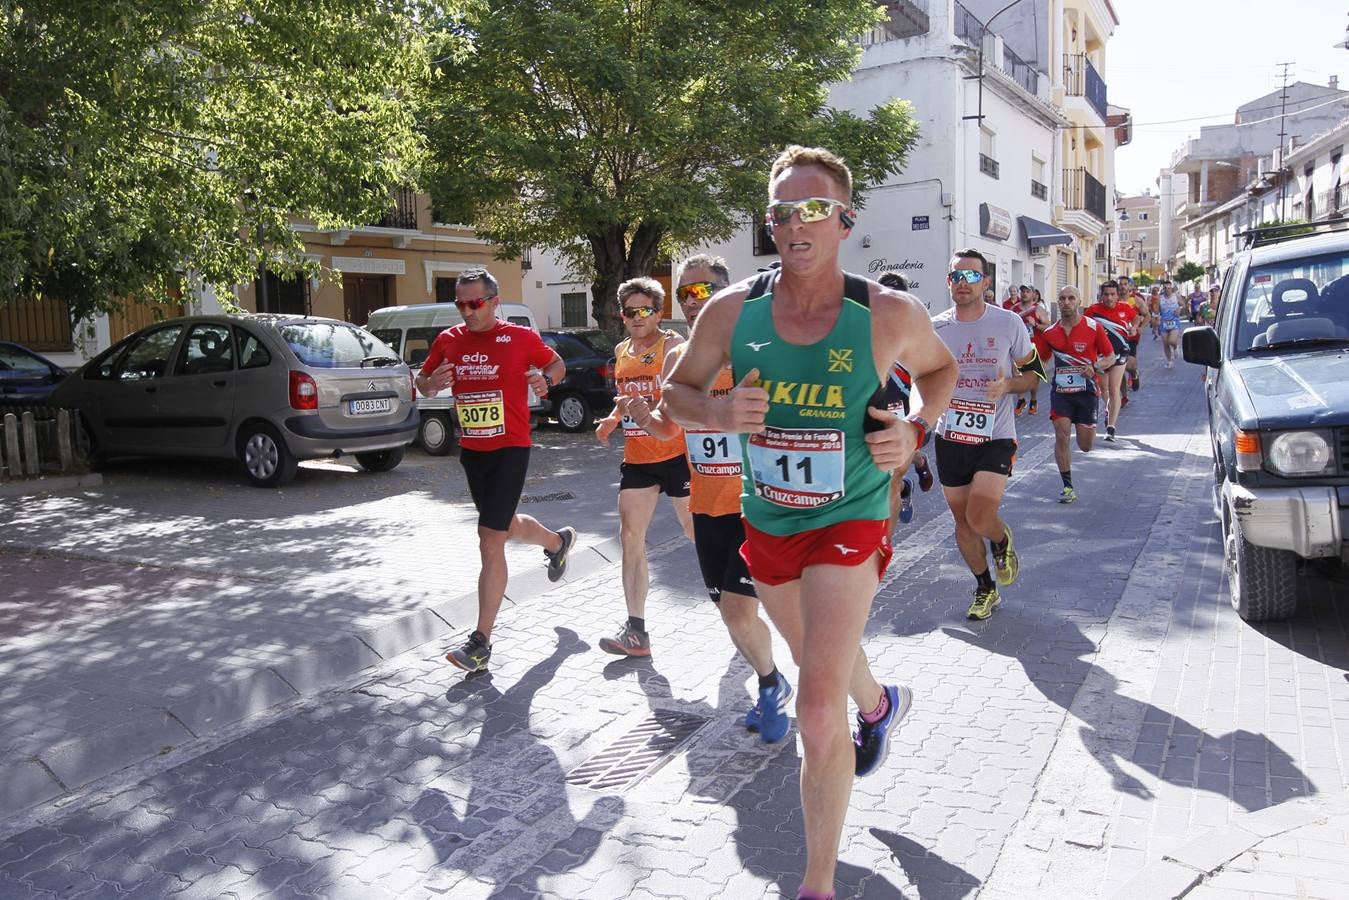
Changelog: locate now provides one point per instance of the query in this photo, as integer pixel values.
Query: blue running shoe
(872, 740)
(772, 705)
(906, 502)
(754, 717)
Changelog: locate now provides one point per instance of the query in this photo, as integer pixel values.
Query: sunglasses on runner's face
(639, 312)
(969, 276)
(811, 209)
(695, 290)
(474, 304)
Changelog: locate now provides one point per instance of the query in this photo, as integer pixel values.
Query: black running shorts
(717, 540)
(957, 462)
(496, 478)
(1079, 408)
(671, 476)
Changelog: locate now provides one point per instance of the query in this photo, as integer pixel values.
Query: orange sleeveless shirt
(714, 462)
(640, 373)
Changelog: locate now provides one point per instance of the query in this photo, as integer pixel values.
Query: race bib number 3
(481, 414)
(713, 453)
(1070, 379)
(797, 468)
(969, 421)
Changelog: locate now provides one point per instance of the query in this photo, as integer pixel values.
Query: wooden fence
(40, 440)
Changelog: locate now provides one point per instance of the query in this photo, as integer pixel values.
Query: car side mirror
(1199, 345)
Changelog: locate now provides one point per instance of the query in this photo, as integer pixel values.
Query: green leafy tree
(1189, 272)
(618, 131)
(145, 140)
(1143, 279)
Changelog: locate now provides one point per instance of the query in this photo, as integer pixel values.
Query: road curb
(24, 487)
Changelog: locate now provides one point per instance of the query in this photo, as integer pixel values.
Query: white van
(409, 330)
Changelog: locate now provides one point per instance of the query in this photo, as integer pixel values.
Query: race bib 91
(713, 453)
(797, 468)
(481, 414)
(969, 421)
(1070, 379)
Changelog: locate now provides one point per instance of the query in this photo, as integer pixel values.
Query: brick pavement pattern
(1113, 703)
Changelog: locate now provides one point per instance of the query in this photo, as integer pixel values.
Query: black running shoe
(473, 656)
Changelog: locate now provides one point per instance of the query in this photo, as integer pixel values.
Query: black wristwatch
(924, 429)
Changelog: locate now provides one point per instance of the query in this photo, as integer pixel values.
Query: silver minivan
(267, 390)
(409, 330)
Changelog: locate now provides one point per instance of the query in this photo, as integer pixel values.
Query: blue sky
(1198, 60)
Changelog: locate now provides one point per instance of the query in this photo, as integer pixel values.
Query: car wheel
(86, 443)
(574, 413)
(1262, 581)
(436, 434)
(380, 460)
(267, 460)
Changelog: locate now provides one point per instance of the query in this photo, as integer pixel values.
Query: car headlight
(1299, 453)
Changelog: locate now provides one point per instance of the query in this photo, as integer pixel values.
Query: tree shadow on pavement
(1119, 729)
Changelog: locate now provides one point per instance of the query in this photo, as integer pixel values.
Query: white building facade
(989, 170)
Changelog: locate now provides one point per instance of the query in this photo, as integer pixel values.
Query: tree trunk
(617, 260)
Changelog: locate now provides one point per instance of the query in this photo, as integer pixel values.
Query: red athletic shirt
(1119, 319)
(1075, 352)
(491, 385)
(1028, 313)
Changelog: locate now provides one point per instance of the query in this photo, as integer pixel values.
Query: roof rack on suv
(1261, 235)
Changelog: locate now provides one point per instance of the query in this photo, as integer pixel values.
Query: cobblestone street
(295, 731)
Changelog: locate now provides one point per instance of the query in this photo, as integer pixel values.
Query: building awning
(1042, 234)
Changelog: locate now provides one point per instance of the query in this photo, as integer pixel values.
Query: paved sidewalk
(1112, 711)
(149, 613)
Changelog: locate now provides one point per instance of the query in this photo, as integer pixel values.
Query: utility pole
(1283, 135)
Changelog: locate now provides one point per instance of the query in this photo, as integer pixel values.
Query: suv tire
(574, 412)
(436, 434)
(380, 460)
(266, 459)
(1262, 581)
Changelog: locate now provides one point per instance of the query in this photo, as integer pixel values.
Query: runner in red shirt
(1122, 322)
(1081, 350)
(489, 364)
(1031, 308)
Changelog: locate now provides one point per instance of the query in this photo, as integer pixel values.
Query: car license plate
(366, 407)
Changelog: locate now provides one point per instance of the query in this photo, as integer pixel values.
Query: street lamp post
(983, 36)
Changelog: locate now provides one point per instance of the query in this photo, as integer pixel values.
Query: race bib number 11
(797, 468)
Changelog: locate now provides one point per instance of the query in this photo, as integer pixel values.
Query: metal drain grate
(548, 498)
(638, 753)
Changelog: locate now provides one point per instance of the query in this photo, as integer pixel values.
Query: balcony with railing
(1080, 79)
(402, 213)
(1083, 192)
(970, 29)
(1038, 190)
(903, 19)
(988, 165)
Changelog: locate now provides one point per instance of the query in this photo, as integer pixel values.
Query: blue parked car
(26, 377)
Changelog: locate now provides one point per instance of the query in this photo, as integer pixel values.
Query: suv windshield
(334, 345)
(1295, 302)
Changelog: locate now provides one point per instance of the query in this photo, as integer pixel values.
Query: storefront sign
(994, 222)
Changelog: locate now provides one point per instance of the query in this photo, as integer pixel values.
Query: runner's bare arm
(555, 370)
(901, 329)
(684, 393)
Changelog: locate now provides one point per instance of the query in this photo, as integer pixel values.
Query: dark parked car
(588, 388)
(1278, 405)
(26, 377)
(267, 390)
